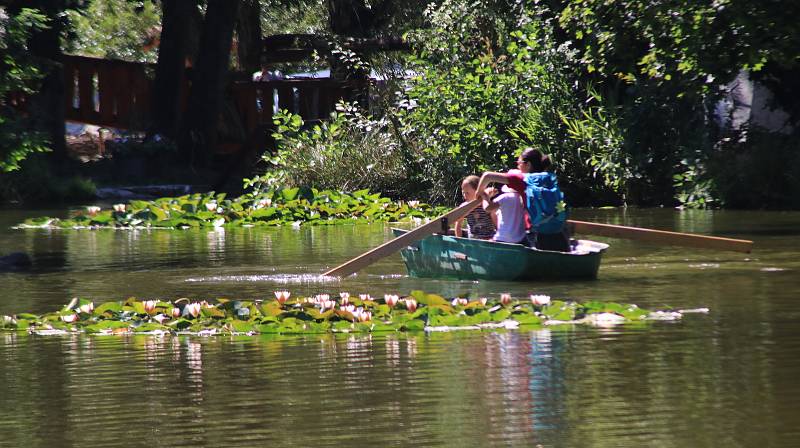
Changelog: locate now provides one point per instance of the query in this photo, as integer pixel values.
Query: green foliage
(117, 29)
(492, 81)
(19, 74)
(304, 315)
(762, 171)
(349, 151)
(38, 181)
(661, 63)
(268, 207)
(691, 42)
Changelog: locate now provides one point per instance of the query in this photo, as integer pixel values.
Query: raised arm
(489, 177)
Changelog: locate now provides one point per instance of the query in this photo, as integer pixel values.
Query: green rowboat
(471, 259)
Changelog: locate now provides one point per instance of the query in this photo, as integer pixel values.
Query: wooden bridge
(117, 94)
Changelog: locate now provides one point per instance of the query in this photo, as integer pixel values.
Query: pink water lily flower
(93, 210)
(176, 312)
(192, 309)
(327, 304)
(391, 300)
(70, 318)
(411, 305)
(282, 296)
(365, 297)
(345, 296)
(361, 315)
(149, 306)
(540, 299)
(349, 308)
(86, 308)
(505, 298)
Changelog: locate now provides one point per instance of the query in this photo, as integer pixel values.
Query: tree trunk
(199, 139)
(173, 50)
(248, 31)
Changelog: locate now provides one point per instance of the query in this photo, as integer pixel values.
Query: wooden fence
(106, 92)
(118, 94)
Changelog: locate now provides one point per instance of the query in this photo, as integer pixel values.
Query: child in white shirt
(510, 216)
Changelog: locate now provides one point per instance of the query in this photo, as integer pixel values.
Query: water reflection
(706, 381)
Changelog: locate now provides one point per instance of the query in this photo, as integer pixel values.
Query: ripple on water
(289, 279)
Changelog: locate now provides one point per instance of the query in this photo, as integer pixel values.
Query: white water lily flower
(211, 206)
(120, 208)
(483, 300)
(365, 297)
(69, 318)
(160, 318)
(540, 299)
(664, 315)
(413, 204)
(93, 210)
(345, 296)
(605, 319)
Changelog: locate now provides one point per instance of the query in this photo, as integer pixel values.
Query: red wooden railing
(117, 94)
(312, 99)
(107, 92)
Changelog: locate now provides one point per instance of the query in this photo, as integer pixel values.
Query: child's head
(469, 186)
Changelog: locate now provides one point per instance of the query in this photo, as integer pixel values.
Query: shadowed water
(722, 379)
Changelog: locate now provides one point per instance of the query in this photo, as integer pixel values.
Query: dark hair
(539, 162)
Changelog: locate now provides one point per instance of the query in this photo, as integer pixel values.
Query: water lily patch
(325, 313)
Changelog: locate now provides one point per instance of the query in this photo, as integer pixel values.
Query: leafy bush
(760, 170)
(348, 152)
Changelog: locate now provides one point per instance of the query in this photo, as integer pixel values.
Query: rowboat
(444, 256)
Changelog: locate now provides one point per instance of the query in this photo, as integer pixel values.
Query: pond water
(727, 378)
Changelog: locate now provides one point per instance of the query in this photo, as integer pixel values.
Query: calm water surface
(728, 378)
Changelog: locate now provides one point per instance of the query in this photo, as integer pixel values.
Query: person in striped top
(480, 224)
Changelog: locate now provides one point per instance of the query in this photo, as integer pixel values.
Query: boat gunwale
(595, 247)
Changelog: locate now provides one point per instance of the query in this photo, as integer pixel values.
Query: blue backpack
(545, 202)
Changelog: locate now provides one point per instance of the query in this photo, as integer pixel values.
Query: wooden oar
(661, 236)
(436, 225)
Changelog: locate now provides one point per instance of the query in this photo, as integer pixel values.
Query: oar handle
(661, 236)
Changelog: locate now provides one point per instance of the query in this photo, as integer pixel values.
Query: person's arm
(458, 228)
(489, 204)
(489, 177)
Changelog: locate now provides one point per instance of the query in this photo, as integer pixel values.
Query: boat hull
(443, 256)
